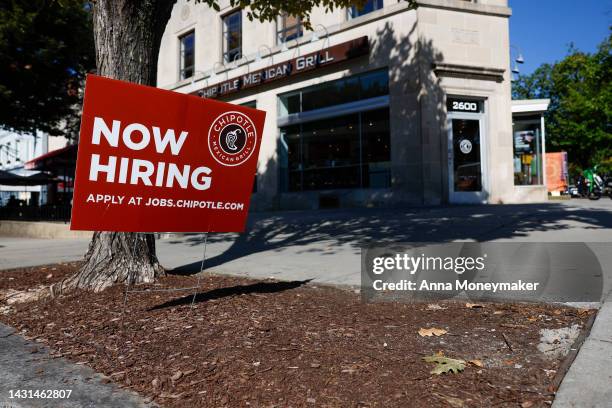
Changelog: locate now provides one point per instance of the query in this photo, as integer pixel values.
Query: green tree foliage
(579, 119)
(46, 48)
(267, 10)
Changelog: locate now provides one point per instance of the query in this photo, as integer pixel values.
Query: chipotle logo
(232, 138)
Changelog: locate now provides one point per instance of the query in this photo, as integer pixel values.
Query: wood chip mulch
(280, 344)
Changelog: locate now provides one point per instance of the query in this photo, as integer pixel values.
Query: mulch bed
(269, 343)
(27, 278)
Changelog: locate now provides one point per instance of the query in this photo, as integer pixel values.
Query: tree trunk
(127, 35)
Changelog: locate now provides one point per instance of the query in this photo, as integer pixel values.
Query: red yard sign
(154, 160)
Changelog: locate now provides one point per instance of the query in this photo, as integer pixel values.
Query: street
(325, 245)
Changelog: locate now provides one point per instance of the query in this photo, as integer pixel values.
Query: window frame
(529, 120)
(353, 12)
(182, 67)
(282, 29)
(224, 39)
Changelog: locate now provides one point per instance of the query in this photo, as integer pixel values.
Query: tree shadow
(219, 293)
(360, 227)
(419, 176)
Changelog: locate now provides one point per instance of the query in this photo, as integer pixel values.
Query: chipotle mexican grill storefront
(384, 106)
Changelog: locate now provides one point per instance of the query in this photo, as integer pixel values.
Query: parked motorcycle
(590, 185)
(607, 186)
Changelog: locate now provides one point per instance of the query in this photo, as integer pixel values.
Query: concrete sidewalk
(23, 368)
(588, 383)
(325, 245)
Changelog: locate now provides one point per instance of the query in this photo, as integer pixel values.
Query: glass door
(466, 166)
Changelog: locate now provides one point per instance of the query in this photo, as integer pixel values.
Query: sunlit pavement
(325, 245)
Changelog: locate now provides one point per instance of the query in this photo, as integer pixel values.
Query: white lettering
(169, 138)
(96, 168)
(127, 136)
(100, 128)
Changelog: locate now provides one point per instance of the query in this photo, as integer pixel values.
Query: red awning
(60, 158)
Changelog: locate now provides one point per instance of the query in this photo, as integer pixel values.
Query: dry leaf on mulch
(432, 331)
(445, 364)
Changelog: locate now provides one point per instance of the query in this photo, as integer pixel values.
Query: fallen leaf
(476, 363)
(452, 401)
(176, 376)
(474, 305)
(498, 312)
(435, 306)
(445, 364)
(582, 312)
(431, 332)
(527, 404)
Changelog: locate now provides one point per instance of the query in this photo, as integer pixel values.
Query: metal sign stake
(195, 292)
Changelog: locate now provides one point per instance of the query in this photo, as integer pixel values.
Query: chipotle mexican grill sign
(327, 56)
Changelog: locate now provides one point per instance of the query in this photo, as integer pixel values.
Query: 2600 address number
(465, 106)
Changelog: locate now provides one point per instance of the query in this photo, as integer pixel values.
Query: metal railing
(59, 213)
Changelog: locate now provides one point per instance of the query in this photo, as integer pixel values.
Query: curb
(27, 366)
(588, 383)
(40, 229)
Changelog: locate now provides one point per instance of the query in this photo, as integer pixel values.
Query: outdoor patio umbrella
(38, 179)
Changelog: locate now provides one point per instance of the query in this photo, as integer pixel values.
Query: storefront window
(345, 90)
(345, 151)
(527, 150)
(350, 151)
(252, 104)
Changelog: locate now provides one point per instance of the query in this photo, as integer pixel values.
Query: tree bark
(127, 36)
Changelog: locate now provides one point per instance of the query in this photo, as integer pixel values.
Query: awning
(56, 161)
(38, 179)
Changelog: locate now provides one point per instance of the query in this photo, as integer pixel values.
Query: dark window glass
(232, 36)
(358, 87)
(289, 28)
(331, 153)
(250, 104)
(349, 151)
(291, 103)
(330, 94)
(374, 84)
(527, 150)
(368, 7)
(466, 155)
(292, 159)
(376, 148)
(187, 61)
